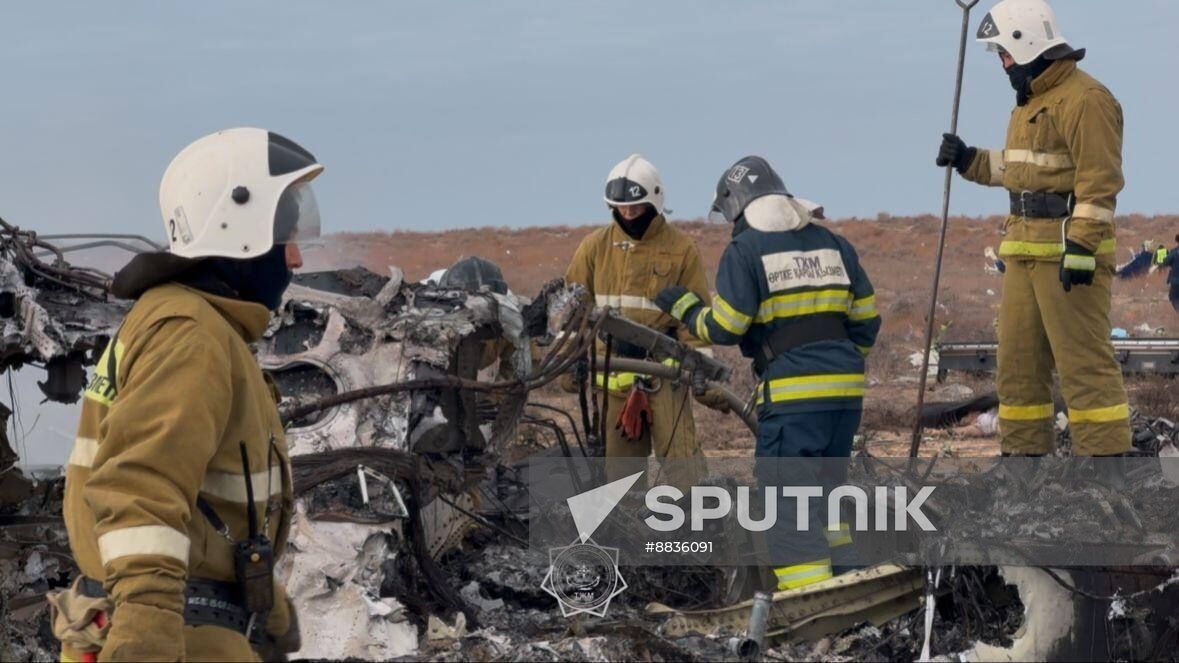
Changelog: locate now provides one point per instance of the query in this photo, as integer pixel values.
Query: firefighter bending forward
(793, 295)
(1062, 167)
(178, 493)
(624, 265)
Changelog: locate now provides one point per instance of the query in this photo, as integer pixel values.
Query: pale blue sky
(505, 113)
(450, 114)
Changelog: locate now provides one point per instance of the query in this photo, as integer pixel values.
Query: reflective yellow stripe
(702, 325)
(804, 303)
(1099, 415)
(800, 575)
(729, 318)
(863, 309)
(1025, 412)
(1160, 256)
(618, 383)
(1083, 263)
(845, 385)
(864, 350)
(143, 540)
(681, 306)
(102, 388)
(838, 537)
(1046, 249)
(1090, 211)
(231, 486)
(998, 165)
(82, 455)
(1041, 159)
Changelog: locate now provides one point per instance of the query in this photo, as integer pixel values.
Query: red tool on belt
(99, 621)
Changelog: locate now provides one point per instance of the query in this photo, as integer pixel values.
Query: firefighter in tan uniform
(624, 265)
(1063, 168)
(178, 492)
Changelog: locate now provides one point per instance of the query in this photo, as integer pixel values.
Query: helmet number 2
(172, 229)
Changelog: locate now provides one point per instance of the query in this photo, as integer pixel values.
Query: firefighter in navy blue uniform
(793, 295)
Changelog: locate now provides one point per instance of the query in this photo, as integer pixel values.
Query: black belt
(1042, 204)
(206, 603)
(798, 333)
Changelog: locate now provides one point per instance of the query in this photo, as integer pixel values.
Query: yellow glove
(714, 398)
(142, 632)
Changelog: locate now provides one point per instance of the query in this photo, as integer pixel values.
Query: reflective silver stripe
(707, 352)
(998, 165)
(1089, 211)
(1041, 159)
(687, 301)
(143, 540)
(626, 301)
(83, 452)
(774, 309)
(232, 487)
(814, 386)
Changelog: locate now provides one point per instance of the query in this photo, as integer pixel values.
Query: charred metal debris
(409, 415)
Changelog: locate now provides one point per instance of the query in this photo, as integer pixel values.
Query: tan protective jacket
(1067, 139)
(160, 430)
(627, 274)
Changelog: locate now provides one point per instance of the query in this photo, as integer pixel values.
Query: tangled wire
(21, 246)
(572, 342)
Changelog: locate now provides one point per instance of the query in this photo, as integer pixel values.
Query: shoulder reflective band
(102, 388)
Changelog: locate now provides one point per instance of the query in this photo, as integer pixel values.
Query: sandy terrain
(898, 253)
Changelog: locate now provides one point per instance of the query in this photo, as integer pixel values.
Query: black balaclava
(1022, 75)
(261, 280)
(638, 227)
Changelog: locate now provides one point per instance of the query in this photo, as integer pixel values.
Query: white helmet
(237, 193)
(634, 181)
(1026, 29)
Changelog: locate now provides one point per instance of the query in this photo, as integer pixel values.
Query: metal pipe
(915, 445)
(736, 403)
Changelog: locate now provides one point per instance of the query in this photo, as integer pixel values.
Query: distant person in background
(624, 265)
(1170, 259)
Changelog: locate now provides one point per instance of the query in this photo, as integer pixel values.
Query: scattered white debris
(436, 629)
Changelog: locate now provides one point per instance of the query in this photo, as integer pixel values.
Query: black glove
(677, 301)
(1077, 265)
(954, 152)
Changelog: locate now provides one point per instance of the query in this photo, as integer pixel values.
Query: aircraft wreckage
(405, 402)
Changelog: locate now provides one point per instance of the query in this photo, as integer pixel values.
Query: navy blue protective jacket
(781, 270)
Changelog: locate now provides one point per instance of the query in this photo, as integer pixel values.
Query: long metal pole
(915, 445)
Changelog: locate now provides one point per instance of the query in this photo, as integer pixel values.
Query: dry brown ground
(897, 252)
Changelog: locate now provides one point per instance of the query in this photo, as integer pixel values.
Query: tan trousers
(665, 437)
(1041, 327)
